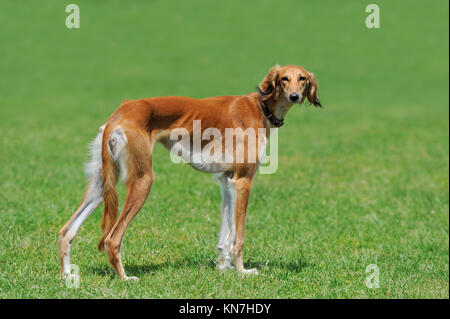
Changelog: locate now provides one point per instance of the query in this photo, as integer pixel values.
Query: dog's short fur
(124, 147)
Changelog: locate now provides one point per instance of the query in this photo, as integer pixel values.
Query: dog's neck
(278, 109)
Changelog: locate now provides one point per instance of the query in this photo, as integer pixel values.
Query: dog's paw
(226, 265)
(252, 271)
(131, 278)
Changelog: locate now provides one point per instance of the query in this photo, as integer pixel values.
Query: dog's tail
(101, 171)
(109, 176)
(114, 154)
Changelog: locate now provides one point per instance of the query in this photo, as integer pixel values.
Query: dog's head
(290, 82)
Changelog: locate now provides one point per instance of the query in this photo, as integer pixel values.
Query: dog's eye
(302, 78)
(284, 78)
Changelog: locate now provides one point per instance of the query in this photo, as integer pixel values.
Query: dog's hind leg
(227, 229)
(91, 200)
(139, 182)
(69, 231)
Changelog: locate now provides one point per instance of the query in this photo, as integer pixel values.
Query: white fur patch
(93, 169)
(117, 143)
(227, 232)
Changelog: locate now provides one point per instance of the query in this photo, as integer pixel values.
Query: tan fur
(111, 202)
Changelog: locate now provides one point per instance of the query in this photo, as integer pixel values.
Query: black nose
(293, 97)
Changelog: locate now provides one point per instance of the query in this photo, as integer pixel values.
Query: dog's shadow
(294, 266)
(143, 269)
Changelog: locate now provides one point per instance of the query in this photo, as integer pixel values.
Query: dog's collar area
(269, 115)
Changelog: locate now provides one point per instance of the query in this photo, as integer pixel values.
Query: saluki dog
(124, 145)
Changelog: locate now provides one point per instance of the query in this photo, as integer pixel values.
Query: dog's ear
(311, 90)
(270, 86)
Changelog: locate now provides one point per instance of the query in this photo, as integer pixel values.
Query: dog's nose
(294, 97)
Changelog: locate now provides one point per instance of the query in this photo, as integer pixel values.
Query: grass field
(363, 181)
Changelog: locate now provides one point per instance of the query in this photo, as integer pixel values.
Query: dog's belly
(211, 167)
(194, 159)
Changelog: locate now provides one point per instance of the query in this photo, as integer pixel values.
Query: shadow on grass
(294, 266)
(138, 270)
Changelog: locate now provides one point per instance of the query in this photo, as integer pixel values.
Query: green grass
(364, 181)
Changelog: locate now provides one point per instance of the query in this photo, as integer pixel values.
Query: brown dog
(124, 147)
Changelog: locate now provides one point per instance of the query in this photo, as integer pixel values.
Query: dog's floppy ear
(311, 90)
(270, 86)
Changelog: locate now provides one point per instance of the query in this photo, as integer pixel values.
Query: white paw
(132, 278)
(252, 271)
(226, 265)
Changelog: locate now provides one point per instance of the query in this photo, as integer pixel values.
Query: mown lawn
(363, 181)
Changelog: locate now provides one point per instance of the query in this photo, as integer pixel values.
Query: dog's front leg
(243, 187)
(227, 229)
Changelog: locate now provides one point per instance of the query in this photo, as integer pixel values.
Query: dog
(124, 145)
